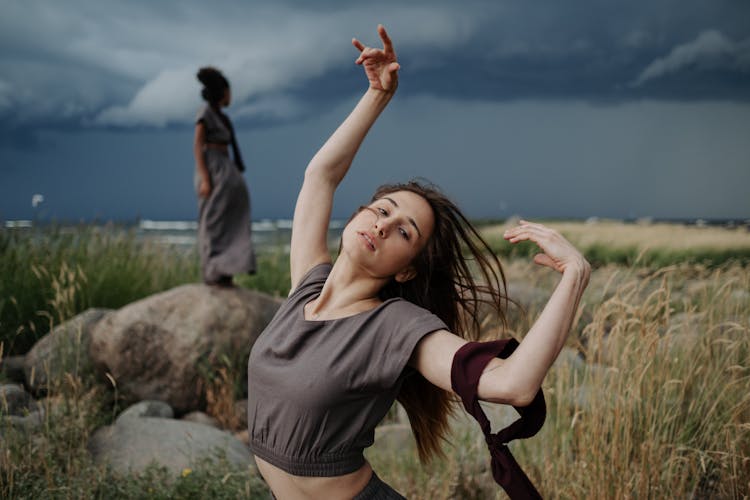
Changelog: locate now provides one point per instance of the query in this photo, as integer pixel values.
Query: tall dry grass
(659, 407)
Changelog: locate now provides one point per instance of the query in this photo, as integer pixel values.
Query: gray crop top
(317, 389)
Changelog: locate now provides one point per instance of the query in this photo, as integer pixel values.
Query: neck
(347, 289)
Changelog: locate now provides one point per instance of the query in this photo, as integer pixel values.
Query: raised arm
(516, 379)
(330, 164)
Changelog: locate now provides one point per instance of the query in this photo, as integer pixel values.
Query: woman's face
(388, 234)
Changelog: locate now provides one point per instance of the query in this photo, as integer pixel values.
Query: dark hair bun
(214, 84)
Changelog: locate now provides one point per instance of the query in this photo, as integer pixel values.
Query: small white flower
(36, 200)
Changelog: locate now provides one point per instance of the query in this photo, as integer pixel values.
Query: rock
(201, 418)
(18, 408)
(64, 350)
(161, 347)
(156, 409)
(15, 401)
(132, 444)
(11, 367)
(27, 422)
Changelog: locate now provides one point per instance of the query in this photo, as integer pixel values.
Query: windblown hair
(214, 84)
(445, 285)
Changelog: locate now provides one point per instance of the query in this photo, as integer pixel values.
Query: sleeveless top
(217, 131)
(317, 389)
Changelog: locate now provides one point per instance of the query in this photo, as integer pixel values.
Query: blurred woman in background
(224, 231)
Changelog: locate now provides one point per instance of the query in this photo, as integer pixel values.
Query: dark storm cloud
(101, 64)
(546, 108)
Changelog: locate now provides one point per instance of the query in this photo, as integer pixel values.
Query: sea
(267, 234)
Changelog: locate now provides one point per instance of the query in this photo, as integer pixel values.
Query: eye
(383, 211)
(404, 233)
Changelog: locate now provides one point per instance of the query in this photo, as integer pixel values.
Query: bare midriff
(288, 486)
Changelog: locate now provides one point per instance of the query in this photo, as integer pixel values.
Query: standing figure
(396, 316)
(224, 230)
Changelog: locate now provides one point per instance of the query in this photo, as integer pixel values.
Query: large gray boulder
(142, 409)
(64, 350)
(11, 369)
(163, 346)
(133, 443)
(18, 409)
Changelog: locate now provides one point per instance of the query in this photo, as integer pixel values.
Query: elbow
(506, 390)
(519, 396)
(523, 398)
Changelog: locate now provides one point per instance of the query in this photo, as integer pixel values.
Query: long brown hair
(445, 285)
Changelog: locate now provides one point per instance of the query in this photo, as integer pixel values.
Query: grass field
(645, 244)
(651, 398)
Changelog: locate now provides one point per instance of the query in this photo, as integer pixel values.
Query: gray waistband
(328, 465)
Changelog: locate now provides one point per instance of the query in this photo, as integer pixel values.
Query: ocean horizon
(267, 233)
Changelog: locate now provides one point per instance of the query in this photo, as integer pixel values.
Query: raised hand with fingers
(380, 65)
(557, 252)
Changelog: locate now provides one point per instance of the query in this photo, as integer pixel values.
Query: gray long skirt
(224, 231)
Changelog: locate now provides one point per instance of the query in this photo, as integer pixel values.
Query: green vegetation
(53, 462)
(50, 274)
(659, 408)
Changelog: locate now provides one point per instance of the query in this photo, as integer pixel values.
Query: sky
(542, 109)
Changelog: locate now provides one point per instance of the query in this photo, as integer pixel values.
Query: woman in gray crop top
(384, 321)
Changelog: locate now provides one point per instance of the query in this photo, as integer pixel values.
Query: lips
(368, 240)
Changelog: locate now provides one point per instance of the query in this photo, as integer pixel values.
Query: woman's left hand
(557, 252)
(380, 65)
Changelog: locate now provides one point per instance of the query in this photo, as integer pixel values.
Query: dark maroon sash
(236, 156)
(468, 365)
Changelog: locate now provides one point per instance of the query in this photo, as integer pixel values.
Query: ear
(406, 274)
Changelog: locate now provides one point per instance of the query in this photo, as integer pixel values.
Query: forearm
(518, 378)
(333, 160)
(200, 162)
(199, 142)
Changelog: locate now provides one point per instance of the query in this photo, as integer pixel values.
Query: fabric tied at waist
(468, 364)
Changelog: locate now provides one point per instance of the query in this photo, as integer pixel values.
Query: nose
(382, 228)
